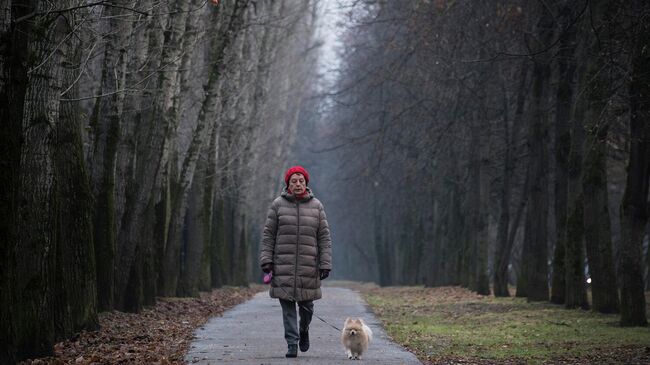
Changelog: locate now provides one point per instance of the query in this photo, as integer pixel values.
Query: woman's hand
(267, 268)
(324, 273)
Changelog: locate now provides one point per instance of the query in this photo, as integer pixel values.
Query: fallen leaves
(158, 335)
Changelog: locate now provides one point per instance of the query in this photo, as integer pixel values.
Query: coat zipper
(295, 267)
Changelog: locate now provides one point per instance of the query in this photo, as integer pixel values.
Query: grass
(439, 324)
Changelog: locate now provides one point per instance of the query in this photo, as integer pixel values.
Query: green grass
(453, 323)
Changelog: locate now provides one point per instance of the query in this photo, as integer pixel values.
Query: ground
(158, 335)
(454, 325)
(447, 325)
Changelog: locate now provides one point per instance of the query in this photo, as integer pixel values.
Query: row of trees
(492, 143)
(136, 135)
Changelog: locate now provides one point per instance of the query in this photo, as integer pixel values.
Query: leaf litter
(160, 335)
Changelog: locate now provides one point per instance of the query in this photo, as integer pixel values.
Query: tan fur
(355, 337)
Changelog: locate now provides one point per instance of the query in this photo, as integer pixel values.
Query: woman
(297, 248)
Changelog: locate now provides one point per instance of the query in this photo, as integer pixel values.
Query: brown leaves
(159, 335)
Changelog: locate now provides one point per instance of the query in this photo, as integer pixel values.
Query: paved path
(252, 334)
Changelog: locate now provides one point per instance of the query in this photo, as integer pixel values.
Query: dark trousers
(290, 320)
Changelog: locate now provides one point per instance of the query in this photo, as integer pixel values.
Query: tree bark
(207, 213)
(153, 143)
(202, 131)
(37, 239)
(564, 100)
(504, 243)
(537, 213)
(106, 125)
(13, 82)
(76, 294)
(482, 241)
(574, 256)
(594, 176)
(143, 44)
(192, 241)
(634, 206)
(218, 251)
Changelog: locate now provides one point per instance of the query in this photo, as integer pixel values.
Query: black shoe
(292, 351)
(304, 341)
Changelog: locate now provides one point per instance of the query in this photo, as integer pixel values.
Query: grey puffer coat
(297, 242)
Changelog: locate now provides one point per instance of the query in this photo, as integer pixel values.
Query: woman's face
(297, 184)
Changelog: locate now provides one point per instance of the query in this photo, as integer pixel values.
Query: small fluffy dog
(355, 337)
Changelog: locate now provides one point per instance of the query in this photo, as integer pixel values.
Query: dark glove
(267, 268)
(324, 273)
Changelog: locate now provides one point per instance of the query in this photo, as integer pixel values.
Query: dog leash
(307, 309)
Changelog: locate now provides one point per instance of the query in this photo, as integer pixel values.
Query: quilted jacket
(297, 241)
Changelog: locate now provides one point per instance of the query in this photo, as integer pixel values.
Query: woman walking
(296, 247)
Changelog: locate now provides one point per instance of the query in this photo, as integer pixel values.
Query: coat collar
(292, 198)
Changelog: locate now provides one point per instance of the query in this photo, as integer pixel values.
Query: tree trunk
(142, 44)
(647, 259)
(574, 256)
(523, 274)
(383, 258)
(594, 176)
(504, 244)
(192, 244)
(202, 131)
(106, 126)
(563, 100)
(36, 246)
(207, 208)
(537, 213)
(482, 239)
(597, 223)
(75, 269)
(13, 83)
(634, 206)
(218, 249)
(241, 258)
(153, 145)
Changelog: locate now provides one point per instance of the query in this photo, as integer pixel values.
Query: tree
(506, 236)
(563, 103)
(537, 212)
(104, 144)
(52, 226)
(594, 176)
(634, 207)
(106, 129)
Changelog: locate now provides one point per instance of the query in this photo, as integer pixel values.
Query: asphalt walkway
(252, 334)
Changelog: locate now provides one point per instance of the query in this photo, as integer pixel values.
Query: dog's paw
(350, 357)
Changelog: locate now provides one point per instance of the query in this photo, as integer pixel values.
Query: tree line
(484, 144)
(137, 135)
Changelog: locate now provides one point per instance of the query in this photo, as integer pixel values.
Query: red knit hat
(296, 169)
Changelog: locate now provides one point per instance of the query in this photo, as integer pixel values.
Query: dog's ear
(347, 320)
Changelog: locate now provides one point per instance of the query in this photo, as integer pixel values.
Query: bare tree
(634, 207)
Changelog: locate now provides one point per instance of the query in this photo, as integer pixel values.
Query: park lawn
(450, 323)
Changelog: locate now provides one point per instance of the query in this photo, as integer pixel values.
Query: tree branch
(104, 3)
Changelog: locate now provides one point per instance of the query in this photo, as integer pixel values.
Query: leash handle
(267, 277)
